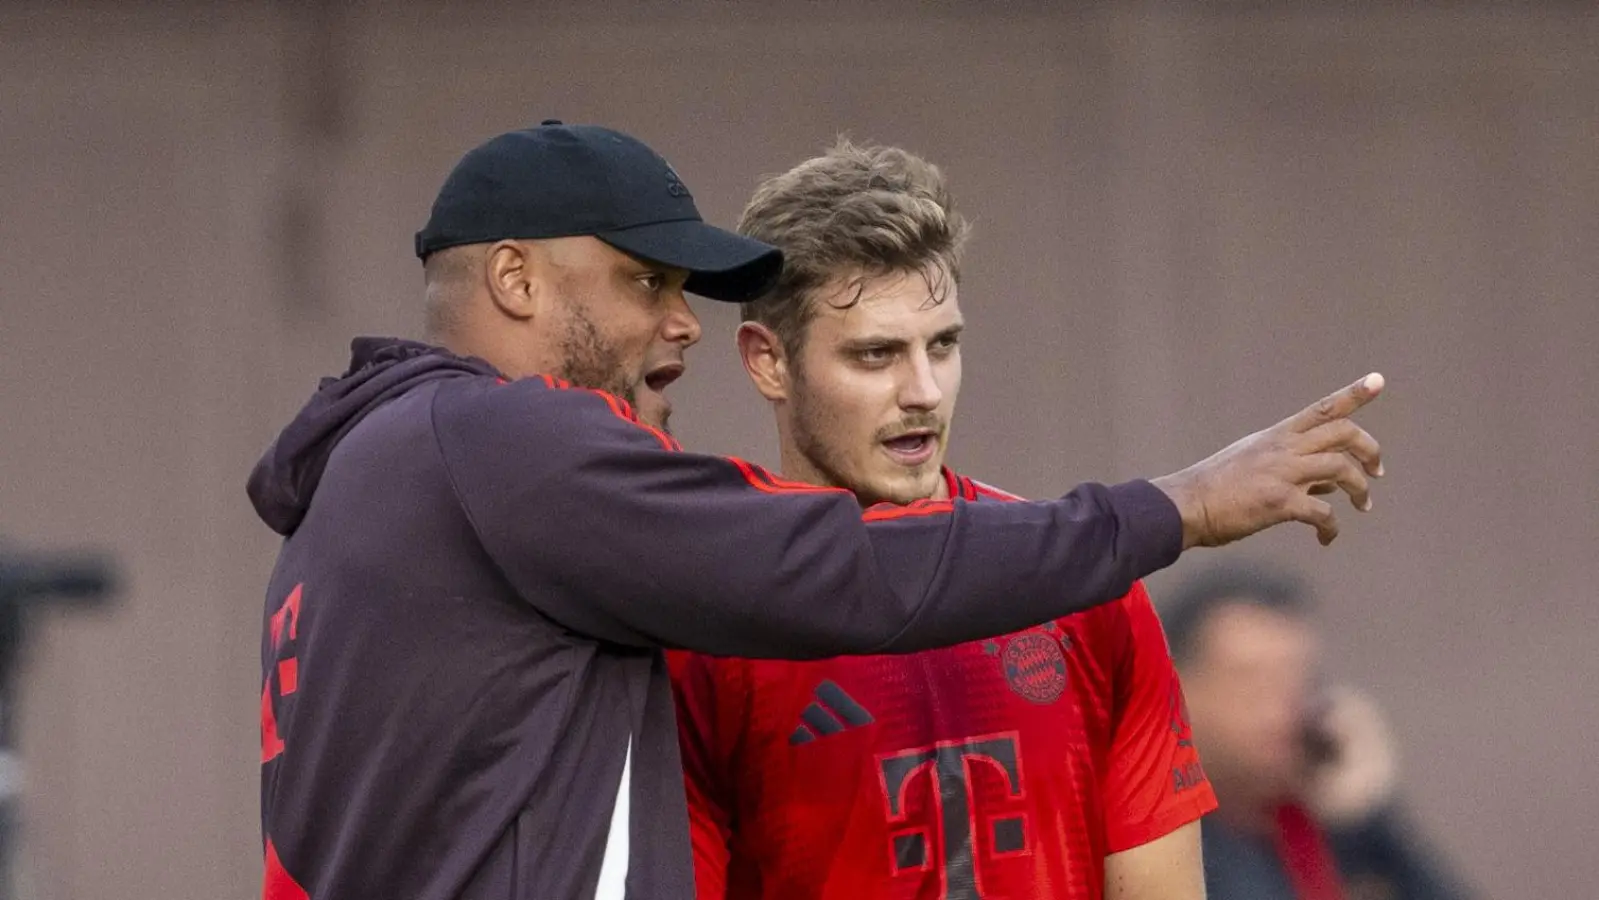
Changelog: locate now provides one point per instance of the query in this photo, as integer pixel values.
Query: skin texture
(868, 370)
(881, 372)
(1170, 867)
(575, 308)
(1279, 474)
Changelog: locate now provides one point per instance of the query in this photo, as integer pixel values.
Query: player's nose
(919, 390)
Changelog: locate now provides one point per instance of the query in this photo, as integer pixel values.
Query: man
(486, 549)
(1305, 773)
(1050, 763)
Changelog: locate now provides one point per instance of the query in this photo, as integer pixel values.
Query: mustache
(917, 422)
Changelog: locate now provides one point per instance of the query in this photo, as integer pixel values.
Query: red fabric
(996, 769)
(1306, 856)
(276, 884)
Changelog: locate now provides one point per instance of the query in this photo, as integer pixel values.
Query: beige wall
(1188, 224)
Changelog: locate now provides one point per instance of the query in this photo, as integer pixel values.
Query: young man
(486, 548)
(1049, 764)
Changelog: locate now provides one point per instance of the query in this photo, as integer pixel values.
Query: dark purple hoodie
(463, 689)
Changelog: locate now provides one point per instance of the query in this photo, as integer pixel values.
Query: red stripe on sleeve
(619, 407)
(625, 412)
(985, 490)
(885, 511)
(763, 480)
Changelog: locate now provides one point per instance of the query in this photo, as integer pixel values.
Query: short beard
(588, 359)
(807, 430)
(809, 442)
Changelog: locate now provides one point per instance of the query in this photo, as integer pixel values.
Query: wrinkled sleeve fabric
(614, 532)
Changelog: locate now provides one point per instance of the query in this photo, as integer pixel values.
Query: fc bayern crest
(1035, 666)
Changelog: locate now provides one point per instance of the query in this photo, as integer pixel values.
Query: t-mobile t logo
(953, 814)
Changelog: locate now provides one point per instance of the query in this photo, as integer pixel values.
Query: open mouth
(658, 378)
(912, 448)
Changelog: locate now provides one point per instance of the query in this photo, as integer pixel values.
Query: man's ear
(518, 277)
(761, 351)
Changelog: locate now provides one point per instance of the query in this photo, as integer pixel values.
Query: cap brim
(721, 265)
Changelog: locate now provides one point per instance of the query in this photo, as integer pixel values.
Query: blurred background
(1191, 219)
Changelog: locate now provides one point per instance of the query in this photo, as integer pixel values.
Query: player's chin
(903, 485)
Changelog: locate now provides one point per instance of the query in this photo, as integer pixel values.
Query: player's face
(874, 388)
(1249, 694)
(623, 324)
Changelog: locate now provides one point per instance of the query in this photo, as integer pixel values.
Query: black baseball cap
(559, 180)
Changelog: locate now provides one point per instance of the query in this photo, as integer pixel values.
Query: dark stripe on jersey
(842, 703)
(821, 720)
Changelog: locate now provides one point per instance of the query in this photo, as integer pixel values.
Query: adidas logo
(831, 712)
(674, 184)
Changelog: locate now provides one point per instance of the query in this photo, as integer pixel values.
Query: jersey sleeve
(1154, 783)
(707, 722)
(615, 533)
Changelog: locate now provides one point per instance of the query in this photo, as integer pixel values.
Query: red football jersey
(1005, 768)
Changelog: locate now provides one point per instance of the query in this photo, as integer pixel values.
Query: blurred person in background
(1048, 764)
(1305, 771)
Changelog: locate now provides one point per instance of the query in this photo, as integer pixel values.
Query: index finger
(1337, 405)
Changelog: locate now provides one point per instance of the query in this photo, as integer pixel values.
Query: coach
(487, 548)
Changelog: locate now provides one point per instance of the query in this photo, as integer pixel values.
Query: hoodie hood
(283, 481)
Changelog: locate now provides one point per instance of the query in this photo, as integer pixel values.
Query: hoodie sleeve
(611, 530)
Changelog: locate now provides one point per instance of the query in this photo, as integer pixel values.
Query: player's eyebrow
(888, 342)
(875, 342)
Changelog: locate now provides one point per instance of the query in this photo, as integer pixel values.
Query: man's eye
(872, 354)
(652, 281)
